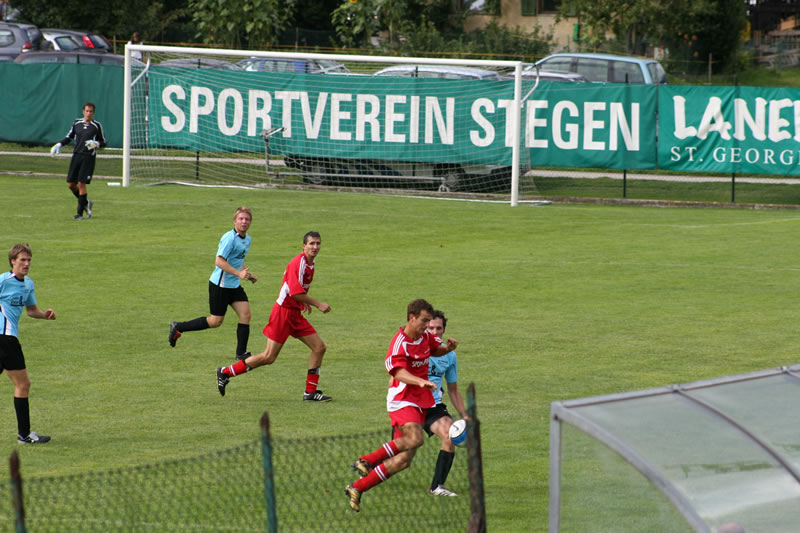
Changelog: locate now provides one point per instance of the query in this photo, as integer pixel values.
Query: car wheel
(315, 170)
(452, 178)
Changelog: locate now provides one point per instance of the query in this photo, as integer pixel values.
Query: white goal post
(251, 117)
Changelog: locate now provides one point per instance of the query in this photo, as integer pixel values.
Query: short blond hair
(242, 209)
(18, 249)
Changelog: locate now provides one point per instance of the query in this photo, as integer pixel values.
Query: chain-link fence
(233, 490)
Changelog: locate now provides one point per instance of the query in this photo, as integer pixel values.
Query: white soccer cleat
(441, 491)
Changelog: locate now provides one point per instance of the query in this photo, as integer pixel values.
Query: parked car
(55, 40)
(606, 67)
(16, 38)
(546, 75)
(83, 57)
(199, 62)
(89, 40)
(271, 64)
(439, 71)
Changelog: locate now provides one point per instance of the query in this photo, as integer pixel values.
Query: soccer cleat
(355, 497)
(243, 356)
(362, 467)
(174, 334)
(222, 381)
(316, 396)
(33, 438)
(441, 491)
(77, 217)
(89, 209)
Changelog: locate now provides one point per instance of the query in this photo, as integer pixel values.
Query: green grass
(549, 303)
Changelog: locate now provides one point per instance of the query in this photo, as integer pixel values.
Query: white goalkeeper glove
(55, 150)
(91, 144)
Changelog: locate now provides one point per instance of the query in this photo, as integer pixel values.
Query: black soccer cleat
(77, 217)
(222, 381)
(174, 334)
(33, 438)
(316, 396)
(243, 356)
(355, 497)
(362, 467)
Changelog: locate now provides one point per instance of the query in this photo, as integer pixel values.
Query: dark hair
(418, 306)
(311, 234)
(440, 314)
(18, 249)
(89, 104)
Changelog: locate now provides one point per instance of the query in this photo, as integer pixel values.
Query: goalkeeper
(88, 136)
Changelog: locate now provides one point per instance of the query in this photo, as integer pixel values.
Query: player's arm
(244, 273)
(442, 349)
(455, 398)
(34, 312)
(309, 302)
(404, 376)
(101, 138)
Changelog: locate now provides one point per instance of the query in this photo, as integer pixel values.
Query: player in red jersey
(410, 394)
(286, 319)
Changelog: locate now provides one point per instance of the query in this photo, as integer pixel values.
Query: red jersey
(413, 356)
(296, 280)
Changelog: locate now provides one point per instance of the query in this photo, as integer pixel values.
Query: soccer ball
(458, 432)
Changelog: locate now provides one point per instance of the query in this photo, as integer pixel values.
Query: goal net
(257, 118)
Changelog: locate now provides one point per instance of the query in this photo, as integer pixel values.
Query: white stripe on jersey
(301, 270)
(283, 293)
(6, 322)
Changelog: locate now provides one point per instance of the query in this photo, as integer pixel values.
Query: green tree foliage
(684, 26)
(113, 18)
(250, 24)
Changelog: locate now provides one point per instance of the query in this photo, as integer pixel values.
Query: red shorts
(404, 416)
(284, 322)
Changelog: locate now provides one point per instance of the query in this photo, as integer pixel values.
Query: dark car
(83, 57)
(16, 38)
(271, 64)
(199, 62)
(87, 39)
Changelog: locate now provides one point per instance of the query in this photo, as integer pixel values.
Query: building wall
(511, 17)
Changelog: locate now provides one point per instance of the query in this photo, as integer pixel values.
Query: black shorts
(433, 414)
(219, 298)
(81, 168)
(11, 357)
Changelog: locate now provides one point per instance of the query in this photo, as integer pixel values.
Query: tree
(116, 19)
(710, 26)
(249, 24)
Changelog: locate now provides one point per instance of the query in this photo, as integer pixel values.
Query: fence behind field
(287, 485)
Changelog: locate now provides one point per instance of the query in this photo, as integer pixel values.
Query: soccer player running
(409, 396)
(286, 319)
(88, 136)
(16, 292)
(224, 285)
(438, 419)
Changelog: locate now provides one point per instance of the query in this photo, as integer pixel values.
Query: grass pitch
(548, 303)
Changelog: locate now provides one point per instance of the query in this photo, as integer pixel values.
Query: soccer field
(549, 303)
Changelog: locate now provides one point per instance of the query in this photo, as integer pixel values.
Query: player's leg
(318, 349)
(85, 171)
(242, 309)
(399, 453)
(217, 304)
(14, 363)
(72, 183)
(441, 427)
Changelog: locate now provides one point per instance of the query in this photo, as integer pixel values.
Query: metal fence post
(16, 494)
(269, 481)
(477, 517)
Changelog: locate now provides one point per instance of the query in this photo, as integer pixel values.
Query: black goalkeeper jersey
(81, 132)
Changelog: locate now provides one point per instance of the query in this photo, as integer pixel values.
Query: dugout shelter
(708, 456)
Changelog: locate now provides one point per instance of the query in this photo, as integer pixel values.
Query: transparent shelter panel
(718, 469)
(602, 493)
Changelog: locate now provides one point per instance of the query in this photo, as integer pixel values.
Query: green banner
(752, 130)
(432, 120)
(591, 125)
(40, 100)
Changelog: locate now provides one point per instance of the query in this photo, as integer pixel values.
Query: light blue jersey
(233, 248)
(445, 367)
(15, 295)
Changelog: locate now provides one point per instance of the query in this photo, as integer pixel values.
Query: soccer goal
(260, 118)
